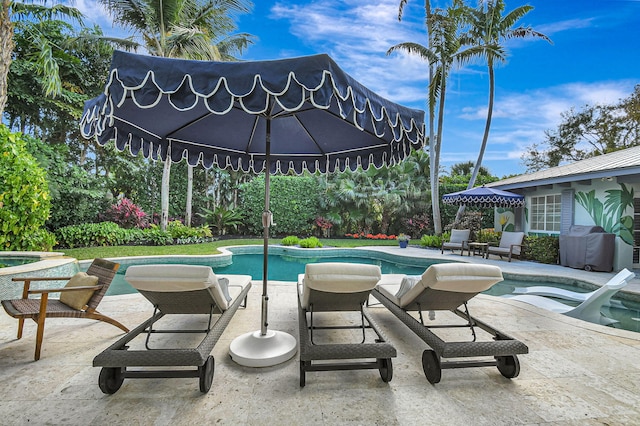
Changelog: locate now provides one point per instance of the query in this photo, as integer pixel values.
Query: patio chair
(459, 240)
(79, 298)
(173, 289)
(448, 287)
(510, 245)
(590, 308)
(340, 287)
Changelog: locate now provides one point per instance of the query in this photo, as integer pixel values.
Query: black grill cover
(587, 247)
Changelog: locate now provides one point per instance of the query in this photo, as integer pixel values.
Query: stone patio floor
(576, 373)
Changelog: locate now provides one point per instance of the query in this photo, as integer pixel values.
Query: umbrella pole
(264, 348)
(267, 218)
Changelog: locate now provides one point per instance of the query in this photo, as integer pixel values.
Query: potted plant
(403, 240)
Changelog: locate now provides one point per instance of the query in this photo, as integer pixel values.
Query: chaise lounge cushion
(79, 299)
(333, 277)
(179, 278)
(450, 277)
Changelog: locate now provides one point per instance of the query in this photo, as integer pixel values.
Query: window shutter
(566, 210)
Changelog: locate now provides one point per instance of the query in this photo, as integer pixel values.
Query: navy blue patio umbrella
(482, 196)
(287, 115)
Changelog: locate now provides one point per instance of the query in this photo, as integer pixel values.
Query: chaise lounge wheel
(110, 379)
(509, 366)
(303, 365)
(386, 369)
(206, 374)
(431, 366)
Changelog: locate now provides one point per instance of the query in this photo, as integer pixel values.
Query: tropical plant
(12, 11)
(490, 27)
(448, 45)
(222, 218)
(126, 214)
(434, 241)
(189, 29)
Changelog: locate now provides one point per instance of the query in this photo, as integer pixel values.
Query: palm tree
(489, 28)
(447, 46)
(10, 11)
(188, 29)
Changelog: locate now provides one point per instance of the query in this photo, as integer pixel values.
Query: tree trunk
(164, 192)
(485, 137)
(6, 50)
(187, 214)
(435, 162)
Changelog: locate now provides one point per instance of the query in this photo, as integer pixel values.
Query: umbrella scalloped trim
(401, 127)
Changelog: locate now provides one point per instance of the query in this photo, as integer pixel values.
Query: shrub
(154, 236)
(417, 225)
(24, 197)
(543, 249)
(179, 231)
(488, 235)
(126, 214)
(470, 220)
(93, 234)
(291, 240)
(431, 241)
(311, 242)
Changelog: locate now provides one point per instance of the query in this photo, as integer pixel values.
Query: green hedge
(543, 249)
(294, 203)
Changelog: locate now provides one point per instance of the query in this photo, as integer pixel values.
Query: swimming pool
(285, 264)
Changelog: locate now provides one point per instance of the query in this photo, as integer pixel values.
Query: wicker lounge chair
(590, 307)
(459, 240)
(173, 289)
(510, 245)
(78, 299)
(340, 287)
(446, 287)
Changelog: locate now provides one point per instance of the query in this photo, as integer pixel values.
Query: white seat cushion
(335, 277)
(453, 277)
(182, 278)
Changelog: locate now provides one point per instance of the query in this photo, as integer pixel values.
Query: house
(596, 191)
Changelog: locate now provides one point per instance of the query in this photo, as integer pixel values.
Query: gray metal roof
(625, 162)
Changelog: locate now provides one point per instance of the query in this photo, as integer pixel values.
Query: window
(545, 213)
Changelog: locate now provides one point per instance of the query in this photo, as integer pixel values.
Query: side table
(478, 249)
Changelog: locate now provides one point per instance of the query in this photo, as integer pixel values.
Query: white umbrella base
(255, 350)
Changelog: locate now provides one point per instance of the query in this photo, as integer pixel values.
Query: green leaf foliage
(24, 197)
(543, 249)
(311, 242)
(291, 240)
(293, 202)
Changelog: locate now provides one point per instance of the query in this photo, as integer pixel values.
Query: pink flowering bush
(127, 215)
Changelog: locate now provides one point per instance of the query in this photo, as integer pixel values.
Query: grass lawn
(200, 249)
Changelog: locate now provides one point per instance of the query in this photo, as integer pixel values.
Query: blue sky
(594, 58)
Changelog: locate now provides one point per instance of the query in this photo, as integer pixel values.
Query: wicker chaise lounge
(340, 287)
(173, 289)
(446, 287)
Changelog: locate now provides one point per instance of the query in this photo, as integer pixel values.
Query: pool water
(288, 267)
(9, 261)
